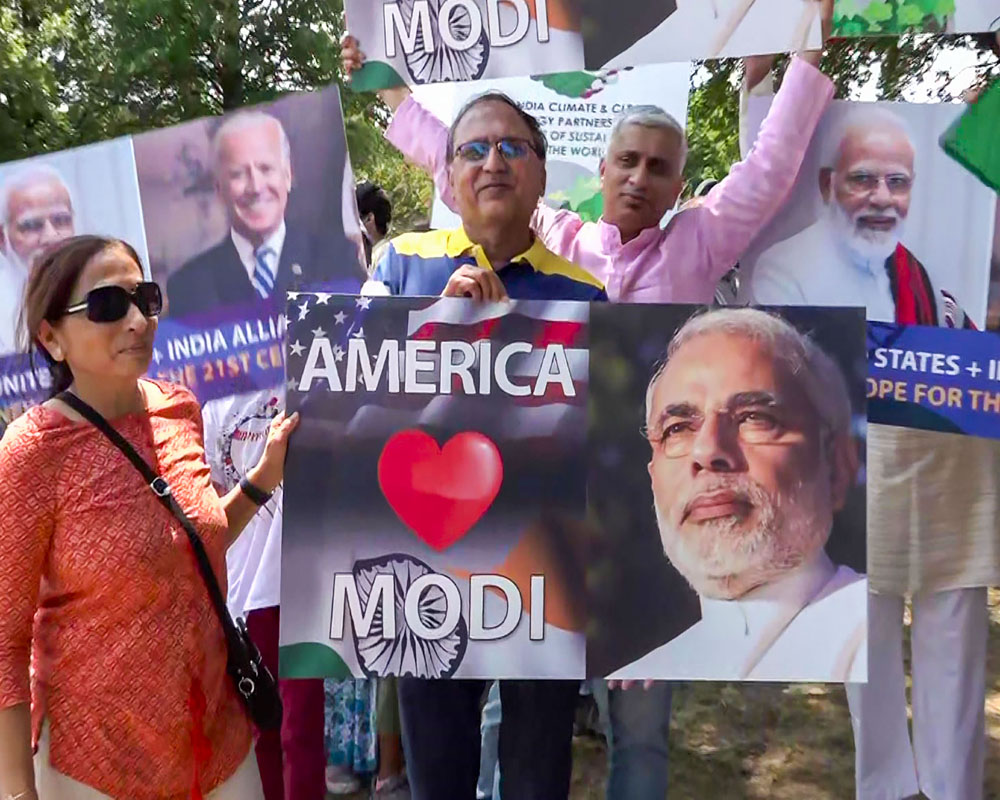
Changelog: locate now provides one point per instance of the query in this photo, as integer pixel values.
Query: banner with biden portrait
(544, 489)
(226, 214)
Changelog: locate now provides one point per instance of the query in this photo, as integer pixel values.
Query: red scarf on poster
(913, 294)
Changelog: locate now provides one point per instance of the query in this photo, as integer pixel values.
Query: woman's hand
(270, 470)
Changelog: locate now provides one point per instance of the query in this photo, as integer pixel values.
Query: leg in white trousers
(244, 784)
(948, 643)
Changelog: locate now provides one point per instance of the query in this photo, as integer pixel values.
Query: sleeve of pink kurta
(423, 138)
(27, 516)
(737, 209)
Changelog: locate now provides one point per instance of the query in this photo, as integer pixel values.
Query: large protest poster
(428, 41)
(880, 216)
(576, 112)
(893, 17)
(48, 198)
(196, 201)
(270, 182)
(468, 495)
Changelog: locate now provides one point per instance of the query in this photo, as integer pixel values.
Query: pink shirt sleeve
(423, 138)
(737, 209)
(27, 517)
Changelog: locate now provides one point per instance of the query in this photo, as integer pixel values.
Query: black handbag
(255, 685)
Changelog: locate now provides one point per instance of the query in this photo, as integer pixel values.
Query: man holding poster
(932, 496)
(496, 171)
(641, 179)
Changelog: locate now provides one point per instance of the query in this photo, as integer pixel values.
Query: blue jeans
(489, 757)
(637, 722)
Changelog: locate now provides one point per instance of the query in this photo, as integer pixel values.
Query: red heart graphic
(440, 493)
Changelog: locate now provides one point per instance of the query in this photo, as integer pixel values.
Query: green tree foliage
(78, 72)
(72, 73)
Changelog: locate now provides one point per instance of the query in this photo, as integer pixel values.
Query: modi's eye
(676, 430)
(758, 423)
(32, 225)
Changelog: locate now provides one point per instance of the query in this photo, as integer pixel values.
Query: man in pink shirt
(641, 179)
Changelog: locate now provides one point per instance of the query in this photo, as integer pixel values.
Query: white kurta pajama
(933, 533)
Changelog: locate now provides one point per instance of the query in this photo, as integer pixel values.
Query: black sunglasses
(111, 303)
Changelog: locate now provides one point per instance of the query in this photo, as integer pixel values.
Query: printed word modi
(459, 24)
(382, 606)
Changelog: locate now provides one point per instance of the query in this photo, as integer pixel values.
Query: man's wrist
(813, 57)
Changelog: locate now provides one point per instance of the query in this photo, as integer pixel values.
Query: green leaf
(568, 84)
(877, 11)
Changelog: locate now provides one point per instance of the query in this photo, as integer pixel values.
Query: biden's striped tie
(263, 274)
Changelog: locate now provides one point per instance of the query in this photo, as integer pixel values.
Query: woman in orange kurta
(129, 694)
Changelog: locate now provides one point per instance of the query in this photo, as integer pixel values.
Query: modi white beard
(17, 263)
(722, 559)
(867, 249)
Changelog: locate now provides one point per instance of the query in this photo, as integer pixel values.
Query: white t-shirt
(235, 434)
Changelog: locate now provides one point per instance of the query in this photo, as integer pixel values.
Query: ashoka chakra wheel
(407, 654)
(444, 63)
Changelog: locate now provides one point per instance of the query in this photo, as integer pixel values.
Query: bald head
(36, 210)
(867, 181)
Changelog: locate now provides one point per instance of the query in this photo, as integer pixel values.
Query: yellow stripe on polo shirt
(455, 242)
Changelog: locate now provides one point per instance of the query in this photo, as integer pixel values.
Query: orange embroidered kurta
(98, 583)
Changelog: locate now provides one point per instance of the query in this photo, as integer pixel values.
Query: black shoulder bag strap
(253, 681)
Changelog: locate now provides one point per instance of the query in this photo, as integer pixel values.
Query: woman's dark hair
(538, 142)
(49, 290)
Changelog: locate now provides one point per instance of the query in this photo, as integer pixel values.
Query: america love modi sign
(469, 493)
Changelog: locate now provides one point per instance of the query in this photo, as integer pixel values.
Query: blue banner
(233, 350)
(228, 352)
(937, 379)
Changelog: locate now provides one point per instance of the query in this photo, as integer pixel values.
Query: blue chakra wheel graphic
(444, 63)
(407, 654)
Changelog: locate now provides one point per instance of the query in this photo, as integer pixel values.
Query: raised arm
(736, 210)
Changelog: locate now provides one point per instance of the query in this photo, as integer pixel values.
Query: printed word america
(427, 367)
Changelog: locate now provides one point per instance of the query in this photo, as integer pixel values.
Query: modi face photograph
(46, 199)
(726, 494)
(880, 217)
(242, 208)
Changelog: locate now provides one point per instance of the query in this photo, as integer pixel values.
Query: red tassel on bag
(201, 747)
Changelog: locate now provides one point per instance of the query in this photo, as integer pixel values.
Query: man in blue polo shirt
(496, 168)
